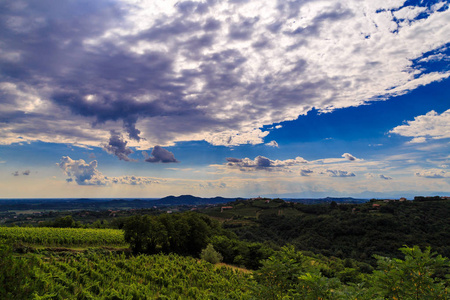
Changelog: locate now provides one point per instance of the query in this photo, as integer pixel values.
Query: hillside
(356, 231)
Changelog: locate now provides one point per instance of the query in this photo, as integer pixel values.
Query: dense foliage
(185, 234)
(350, 231)
(287, 274)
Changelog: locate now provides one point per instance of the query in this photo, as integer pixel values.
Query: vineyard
(47, 269)
(97, 275)
(63, 236)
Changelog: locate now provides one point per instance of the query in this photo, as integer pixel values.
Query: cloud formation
(272, 144)
(118, 147)
(18, 173)
(87, 174)
(432, 173)
(262, 163)
(340, 173)
(349, 156)
(169, 71)
(160, 155)
(429, 126)
(83, 173)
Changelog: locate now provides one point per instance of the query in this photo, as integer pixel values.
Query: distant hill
(190, 200)
(105, 204)
(348, 200)
(124, 204)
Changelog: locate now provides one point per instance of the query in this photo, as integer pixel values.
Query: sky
(238, 98)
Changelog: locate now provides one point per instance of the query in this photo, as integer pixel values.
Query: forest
(253, 249)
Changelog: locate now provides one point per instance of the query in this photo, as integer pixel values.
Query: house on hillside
(225, 207)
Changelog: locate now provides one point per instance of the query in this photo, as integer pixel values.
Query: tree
(411, 278)
(185, 234)
(211, 255)
(145, 234)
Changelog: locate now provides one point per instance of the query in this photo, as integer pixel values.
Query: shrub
(209, 254)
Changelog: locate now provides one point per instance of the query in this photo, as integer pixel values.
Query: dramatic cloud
(162, 155)
(87, 174)
(348, 156)
(429, 126)
(118, 147)
(169, 71)
(339, 173)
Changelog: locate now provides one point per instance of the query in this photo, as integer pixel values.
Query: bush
(210, 255)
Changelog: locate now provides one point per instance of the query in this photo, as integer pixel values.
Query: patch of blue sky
(361, 128)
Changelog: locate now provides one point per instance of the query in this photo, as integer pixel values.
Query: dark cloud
(306, 172)
(18, 173)
(262, 163)
(162, 155)
(211, 25)
(233, 160)
(118, 147)
(187, 73)
(242, 30)
(385, 177)
(105, 81)
(339, 173)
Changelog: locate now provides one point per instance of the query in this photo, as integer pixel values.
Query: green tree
(145, 234)
(280, 273)
(412, 278)
(210, 255)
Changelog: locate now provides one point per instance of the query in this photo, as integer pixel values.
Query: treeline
(188, 234)
(355, 231)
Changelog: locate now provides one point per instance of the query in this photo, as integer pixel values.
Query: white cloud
(432, 173)
(429, 126)
(272, 144)
(87, 174)
(235, 138)
(349, 156)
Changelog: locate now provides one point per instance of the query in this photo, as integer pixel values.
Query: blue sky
(231, 98)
